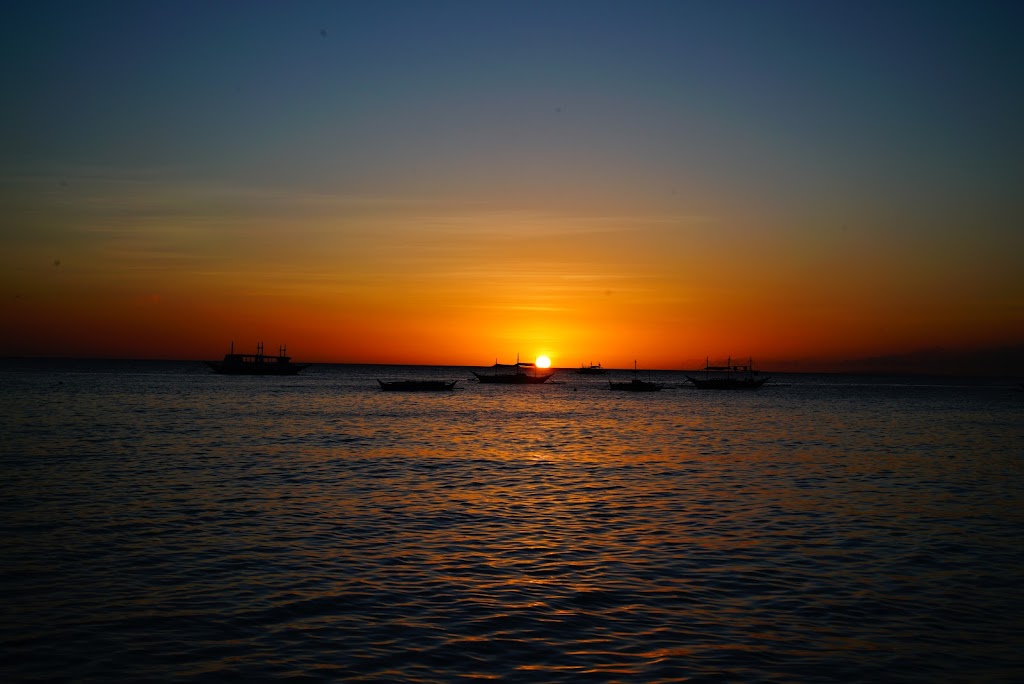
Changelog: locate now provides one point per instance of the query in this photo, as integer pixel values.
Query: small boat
(417, 385)
(635, 385)
(729, 376)
(513, 374)
(592, 369)
(257, 364)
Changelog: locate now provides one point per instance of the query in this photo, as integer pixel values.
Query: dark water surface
(163, 523)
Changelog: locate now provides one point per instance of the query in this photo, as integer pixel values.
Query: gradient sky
(451, 182)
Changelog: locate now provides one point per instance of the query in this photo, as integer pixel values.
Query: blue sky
(219, 86)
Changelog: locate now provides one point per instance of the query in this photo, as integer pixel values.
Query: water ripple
(163, 526)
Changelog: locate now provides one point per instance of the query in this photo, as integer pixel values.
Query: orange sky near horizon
(407, 282)
(596, 182)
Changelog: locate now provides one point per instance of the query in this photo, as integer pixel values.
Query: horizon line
(865, 366)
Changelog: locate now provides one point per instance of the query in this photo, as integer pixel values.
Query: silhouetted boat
(635, 385)
(513, 374)
(417, 385)
(592, 369)
(729, 376)
(257, 364)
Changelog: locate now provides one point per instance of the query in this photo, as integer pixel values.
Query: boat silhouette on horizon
(635, 385)
(257, 364)
(513, 374)
(592, 369)
(730, 376)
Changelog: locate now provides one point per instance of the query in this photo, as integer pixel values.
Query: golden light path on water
(163, 522)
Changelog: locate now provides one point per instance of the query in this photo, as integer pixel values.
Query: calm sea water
(163, 523)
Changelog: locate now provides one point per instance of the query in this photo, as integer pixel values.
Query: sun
(543, 362)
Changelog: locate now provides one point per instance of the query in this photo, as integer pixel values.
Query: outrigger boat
(635, 385)
(513, 374)
(257, 364)
(417, 385)
(729, 376)
(592, 369)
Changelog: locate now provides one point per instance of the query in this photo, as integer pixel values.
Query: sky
(804, 183)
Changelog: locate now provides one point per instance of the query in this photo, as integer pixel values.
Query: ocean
(163, 523)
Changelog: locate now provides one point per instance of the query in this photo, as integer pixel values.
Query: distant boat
(257, 364)
(513, 374)
(635, 385)
(729, 376)
(417, 385)
(592, 369)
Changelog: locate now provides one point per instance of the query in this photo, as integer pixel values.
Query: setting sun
(543, 362)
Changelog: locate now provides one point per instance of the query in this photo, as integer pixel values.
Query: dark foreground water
(161, 523)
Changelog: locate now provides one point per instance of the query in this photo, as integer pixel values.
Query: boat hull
(727, 383)
(510, 379)
(417, 386)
